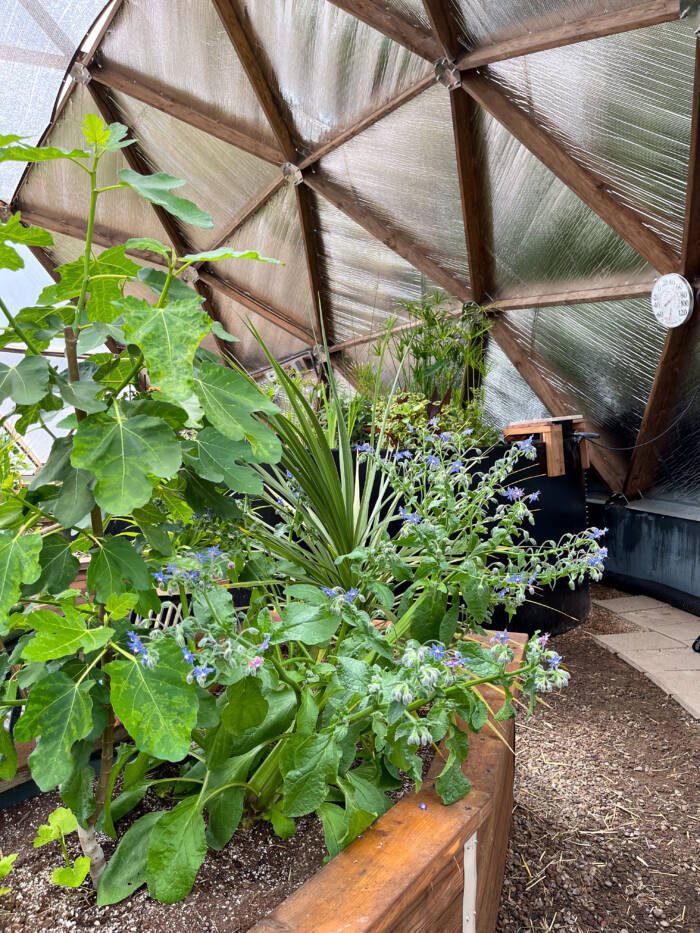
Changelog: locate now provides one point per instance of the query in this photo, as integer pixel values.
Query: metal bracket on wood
(190, 275)
(447, 73)
(292, 173)
(80, 73)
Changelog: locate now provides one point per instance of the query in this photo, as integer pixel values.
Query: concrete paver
(661, 648)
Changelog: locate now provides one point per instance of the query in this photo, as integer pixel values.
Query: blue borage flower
(501, 638)
(433, 422)
(513, 493)
(554, 661)
(437, 651)
(400, 455)
(534, 496)
(467, 432)
(432, 460)
(526, 445)
(200, 673)
(445, 436)
(339, 593)
(364, 448)
(597, 559)
(187, 655)
(456, 466)
(595, 533)
(411, 518)
(148, 659)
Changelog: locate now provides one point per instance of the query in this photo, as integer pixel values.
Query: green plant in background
(130, 461)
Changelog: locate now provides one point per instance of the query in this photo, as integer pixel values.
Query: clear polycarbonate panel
(507, 397)
(275, 231)
(221, 179)
(330, 67)
(482, 22)
(181, 45)
(542, 233)
(413, 11)
(366, 282)
(403, 169)
(679, 460)
(37, 42)
(621, 105)
(247, 351)
(603, 355)
(61, 189)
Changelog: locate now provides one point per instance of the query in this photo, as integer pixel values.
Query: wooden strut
(444, 23)
(278, 121)
(382, 18)
(680, 342)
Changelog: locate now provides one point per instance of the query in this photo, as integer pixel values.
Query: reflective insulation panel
(330, 67)
(365, 280)
(507, 397)
(542, 233)
(221, 178)
(247, 351)
(413, 11)
(181, 45)
(410, 150)
(37, 42)
(679, 449)
(61, 189)
(482, 22)
(603, 355)
(621, 106)
(275, 231)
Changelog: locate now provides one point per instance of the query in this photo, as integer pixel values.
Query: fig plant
(155, 424)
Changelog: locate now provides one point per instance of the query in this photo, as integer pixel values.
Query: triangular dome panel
(542, 234)
(335, 68)
(203, 67)
(221, 183)
(621, 105)
(275, 231)
(365, 280)
(403, 169)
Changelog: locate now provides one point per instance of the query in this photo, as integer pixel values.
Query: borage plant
(152, 430)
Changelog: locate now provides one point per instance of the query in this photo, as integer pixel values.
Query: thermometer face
(672, 300)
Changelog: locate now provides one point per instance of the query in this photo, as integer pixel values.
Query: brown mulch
(606, 828)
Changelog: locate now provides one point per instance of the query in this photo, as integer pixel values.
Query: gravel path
(606, 831)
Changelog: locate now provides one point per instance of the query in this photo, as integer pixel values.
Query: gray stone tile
(629, 603)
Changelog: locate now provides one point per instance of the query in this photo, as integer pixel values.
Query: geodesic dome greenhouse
(538, 158)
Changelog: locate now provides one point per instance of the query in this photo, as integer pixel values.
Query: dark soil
(605, 833)
(606, 830)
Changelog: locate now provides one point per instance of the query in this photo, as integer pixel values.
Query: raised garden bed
(422, 866)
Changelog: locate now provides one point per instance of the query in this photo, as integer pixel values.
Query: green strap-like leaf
(157, 705)
(60, 635)
(126, 870)
(121, 452)
(158, 190)
(60, 711)
(176, 850)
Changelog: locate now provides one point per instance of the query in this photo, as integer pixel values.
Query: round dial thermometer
(672, 300)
